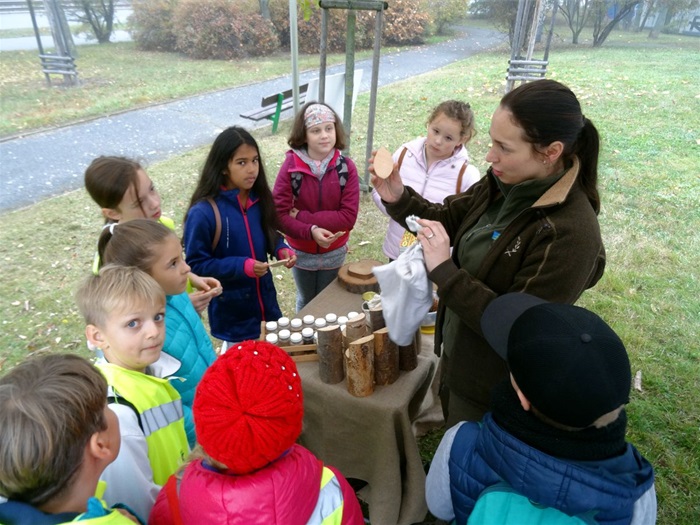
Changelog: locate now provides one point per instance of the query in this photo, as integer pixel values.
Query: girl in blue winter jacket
(230, 228)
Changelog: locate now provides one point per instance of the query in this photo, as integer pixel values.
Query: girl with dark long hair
(230, 228)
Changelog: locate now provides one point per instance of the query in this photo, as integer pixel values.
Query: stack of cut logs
(364, 352)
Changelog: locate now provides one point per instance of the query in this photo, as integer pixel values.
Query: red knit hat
(249, 406)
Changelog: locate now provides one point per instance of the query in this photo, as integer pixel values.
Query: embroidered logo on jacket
(515, 248)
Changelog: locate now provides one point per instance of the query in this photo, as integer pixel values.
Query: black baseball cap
(565, 359)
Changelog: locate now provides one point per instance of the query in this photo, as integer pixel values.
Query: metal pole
(36, 27)
(517, 39)
(37, 35)
(539, 8)
(349, 74)
(551, 31)
(324, 52)
(294, 45)
(379, 18)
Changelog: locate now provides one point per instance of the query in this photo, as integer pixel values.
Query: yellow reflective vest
(159, 410)
(113, 518)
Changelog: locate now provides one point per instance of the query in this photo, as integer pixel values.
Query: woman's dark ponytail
(548, 111)
(587, 149)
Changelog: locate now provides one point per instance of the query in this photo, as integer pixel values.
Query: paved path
(27, 43)
(40, 165)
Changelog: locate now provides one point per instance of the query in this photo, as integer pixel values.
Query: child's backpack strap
(458, 188)
(171, 487)
(116, 399)
(217, 218)
(403, 154)
(341, 166)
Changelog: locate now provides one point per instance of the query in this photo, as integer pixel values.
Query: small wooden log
(359, 363)
(376, 319)
(408, 355)
(356, 328)
(386, 358)
(330, 354)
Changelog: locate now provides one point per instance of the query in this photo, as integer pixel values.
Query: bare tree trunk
(265, 9)
(599, 35)
(660, 22)
(649, 6)
(99, 15)
(577, 14)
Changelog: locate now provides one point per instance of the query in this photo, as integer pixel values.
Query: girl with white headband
(317, 195)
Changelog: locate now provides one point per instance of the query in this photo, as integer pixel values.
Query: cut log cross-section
(376, 319)
(359, 364)
(357, 277)
(408, 355)
(356, 328)
(330, 354)
(386, 358)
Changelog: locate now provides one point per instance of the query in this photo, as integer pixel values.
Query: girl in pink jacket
(317, 195)
(436, 166)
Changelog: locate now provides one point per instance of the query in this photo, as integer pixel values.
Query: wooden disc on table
(383, 163)
(357, 277)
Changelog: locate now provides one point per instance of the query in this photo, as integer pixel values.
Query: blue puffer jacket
(235, 315)
(483, 455)
(187, 341)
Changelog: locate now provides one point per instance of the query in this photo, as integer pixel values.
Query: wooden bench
(272, 106)
(59, 65)
(526, 70)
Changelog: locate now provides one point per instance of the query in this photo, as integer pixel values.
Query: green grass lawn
(118, 76)
(644, 97)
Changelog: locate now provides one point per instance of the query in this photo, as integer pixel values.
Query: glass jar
(307, 335)
(284, 335)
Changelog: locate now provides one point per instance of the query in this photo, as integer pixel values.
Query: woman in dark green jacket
(530, 225)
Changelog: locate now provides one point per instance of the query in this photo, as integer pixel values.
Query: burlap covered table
(371, 438)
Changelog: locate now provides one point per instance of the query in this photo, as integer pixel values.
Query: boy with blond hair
(57, 436)
(124, 309)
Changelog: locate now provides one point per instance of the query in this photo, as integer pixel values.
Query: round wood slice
(362, 269)
(357, 277)
(383, 163)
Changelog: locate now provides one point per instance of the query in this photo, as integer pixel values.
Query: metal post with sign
(351, 6)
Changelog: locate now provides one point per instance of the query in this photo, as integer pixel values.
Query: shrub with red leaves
(219, 29)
